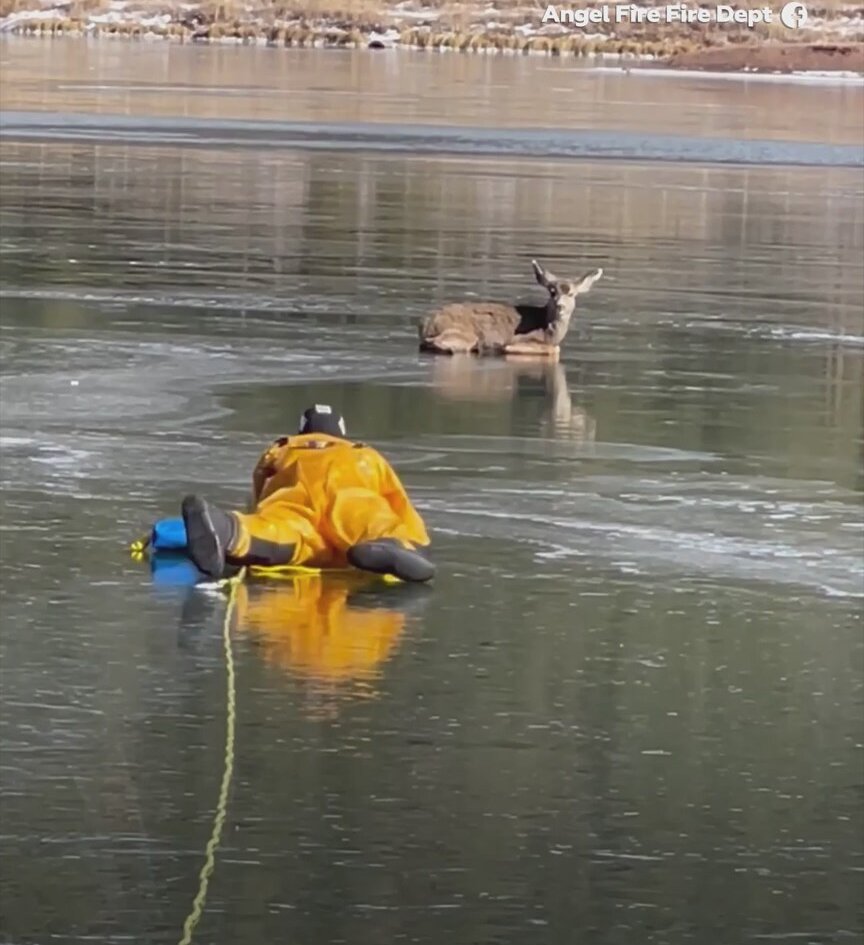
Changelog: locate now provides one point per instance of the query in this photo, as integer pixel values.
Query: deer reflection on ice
(511, 379)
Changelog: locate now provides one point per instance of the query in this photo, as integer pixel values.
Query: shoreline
(825, 49)
(792, 61)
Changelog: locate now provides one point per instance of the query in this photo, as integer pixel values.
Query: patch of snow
(839, 74)
(388, 39)
(113, 16)
(414, 14)
(33, 16)
(815, 77)
(160, 20)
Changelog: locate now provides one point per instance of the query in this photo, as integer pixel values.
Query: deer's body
(484, 327)
(499, 328)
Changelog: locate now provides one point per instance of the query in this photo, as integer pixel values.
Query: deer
(497, 328)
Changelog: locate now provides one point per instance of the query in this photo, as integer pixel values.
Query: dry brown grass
(450, 24)
(453, 12)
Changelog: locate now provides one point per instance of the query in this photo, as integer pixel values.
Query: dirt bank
(774, 57)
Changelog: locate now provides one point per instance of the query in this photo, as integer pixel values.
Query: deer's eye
(553, 291)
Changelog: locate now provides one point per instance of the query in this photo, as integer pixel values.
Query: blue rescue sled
(168, 534)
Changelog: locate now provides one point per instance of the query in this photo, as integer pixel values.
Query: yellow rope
(228, 770)
(138, 549)
(278, 571)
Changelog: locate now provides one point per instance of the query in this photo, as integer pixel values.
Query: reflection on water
(235, 233)
(412, 88)
(634, 691)
(315, 627)
(469, 379)
(335, 631)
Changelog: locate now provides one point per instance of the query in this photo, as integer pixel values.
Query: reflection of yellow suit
(318, 495)
(307, 626)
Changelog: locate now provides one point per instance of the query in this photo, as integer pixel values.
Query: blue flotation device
(168, 534)
(169, 562)
(173, 569)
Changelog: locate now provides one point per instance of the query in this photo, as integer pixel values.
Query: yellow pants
(287, 527)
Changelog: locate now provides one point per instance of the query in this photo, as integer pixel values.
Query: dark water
(423, 139)
(630, 708)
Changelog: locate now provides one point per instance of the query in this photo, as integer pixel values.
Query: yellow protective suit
(318, 495)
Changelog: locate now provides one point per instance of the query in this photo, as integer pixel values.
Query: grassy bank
(824, 44)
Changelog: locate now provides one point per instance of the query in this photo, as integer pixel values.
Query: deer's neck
(532, 317)
(559, 327)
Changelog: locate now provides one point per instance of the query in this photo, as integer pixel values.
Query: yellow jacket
(322, 465)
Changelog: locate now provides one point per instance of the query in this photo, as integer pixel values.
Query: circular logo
(793, 15)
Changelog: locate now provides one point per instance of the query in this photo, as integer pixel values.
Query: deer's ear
(584, 283)
(543, 276)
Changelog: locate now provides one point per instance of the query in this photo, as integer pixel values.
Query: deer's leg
(532, 344)
(451, 341)
(527, 350)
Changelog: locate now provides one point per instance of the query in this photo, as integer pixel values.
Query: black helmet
(322, 418)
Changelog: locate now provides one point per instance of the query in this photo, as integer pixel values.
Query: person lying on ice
(320, 500)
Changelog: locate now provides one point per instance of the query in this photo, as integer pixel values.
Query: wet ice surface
(422, 139)
(652, 508)
(631, 705)
(125, 403)
(88, 431)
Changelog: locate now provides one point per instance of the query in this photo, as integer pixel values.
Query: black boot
(209, 533)
(388, 556)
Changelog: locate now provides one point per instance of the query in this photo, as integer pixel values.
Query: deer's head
(562, 297)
